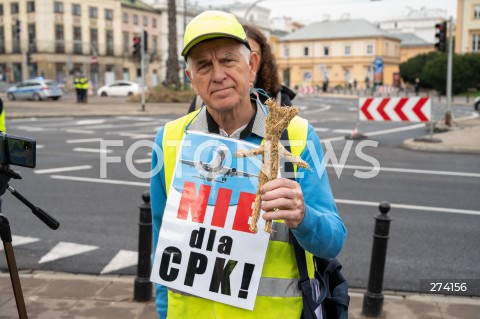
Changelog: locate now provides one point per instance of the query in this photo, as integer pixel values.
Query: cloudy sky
(313, 10)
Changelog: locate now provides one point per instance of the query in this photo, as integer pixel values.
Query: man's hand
(283, 199)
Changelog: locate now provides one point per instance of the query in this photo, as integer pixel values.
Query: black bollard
(373, 298)
(143, 286)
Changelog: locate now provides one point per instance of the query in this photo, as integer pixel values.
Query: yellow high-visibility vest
(278, 295)
(3, 128)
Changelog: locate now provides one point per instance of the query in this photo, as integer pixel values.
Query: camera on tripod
(17, 150)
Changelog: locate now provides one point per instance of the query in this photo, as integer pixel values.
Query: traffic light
(18, 28)
(145, 39)
(137, 46)
(441, 35)
(29, 58)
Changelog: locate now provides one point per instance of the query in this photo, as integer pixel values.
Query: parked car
(476, 103)
(119, 88)
(35, 89)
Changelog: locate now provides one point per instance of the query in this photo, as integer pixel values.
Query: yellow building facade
(69, 37)
(341, 51)
(467, 34)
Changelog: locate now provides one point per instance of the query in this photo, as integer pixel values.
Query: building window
(326, 51)
(58, 7)
(126, 38)
(305, 51)
(30, 6)
(286, 51)
(14, 7)
(108, 14)
(154, 23)
(94, 41)
(92, 12)
(109, 42)
(125, 17)
(476, 11)
(347, 50)
(31, 38)
(145, 21)
(135, 19)
(154, 44)
(369, 49)
(77, 40)
(76, 10)
(1, 9)
(2, 40)
(59, 39)
(476, 43)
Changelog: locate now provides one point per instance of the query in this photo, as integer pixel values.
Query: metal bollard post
(373, 298)
(143, 286)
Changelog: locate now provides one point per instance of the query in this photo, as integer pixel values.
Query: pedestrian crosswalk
(64, 250)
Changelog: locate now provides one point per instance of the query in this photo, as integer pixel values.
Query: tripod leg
(12, 267)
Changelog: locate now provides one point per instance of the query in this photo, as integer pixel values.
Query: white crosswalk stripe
(21, 240)
(123, 259)
(64, 250)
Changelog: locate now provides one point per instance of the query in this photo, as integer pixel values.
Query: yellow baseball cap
(210, 25)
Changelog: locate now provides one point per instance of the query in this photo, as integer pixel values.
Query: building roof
(337, 29)
(136, 4)
(411, 40)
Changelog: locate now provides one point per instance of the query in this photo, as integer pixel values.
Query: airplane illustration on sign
(215, 171)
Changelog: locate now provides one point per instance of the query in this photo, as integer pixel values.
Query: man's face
(220, 73)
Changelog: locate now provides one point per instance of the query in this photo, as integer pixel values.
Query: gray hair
(243, 50)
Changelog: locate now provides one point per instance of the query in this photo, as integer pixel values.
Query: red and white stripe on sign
(396, 109)
(307, 90)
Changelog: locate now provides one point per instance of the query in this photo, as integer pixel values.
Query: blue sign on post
(378, 71)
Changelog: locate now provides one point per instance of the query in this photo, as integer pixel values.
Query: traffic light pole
(448, 113)
(142, 66)
(25, 71)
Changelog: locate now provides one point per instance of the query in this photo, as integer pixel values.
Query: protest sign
(205, 247)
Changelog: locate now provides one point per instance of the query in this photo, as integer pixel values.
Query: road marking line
(321, 129)
(404, 170)
(64, 249)
(319, 108)
(341, 131)
(91, 150)
(61, 169)
(100, 180)
(31, 128)
(80, 131)
(84, 140)
(394, 130)
(368, 134)
(40, 146)
(90, 122)
(410, 207)
(21, 240)
(123, 259)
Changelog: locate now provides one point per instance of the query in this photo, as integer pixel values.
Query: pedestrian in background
(78, 87)
(84, 88)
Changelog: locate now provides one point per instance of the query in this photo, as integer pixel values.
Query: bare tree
(172, 60)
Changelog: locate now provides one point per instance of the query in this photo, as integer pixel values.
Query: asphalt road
(434, 233)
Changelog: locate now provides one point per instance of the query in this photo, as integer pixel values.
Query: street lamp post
(249, 9)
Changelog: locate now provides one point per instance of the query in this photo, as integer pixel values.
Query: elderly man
(221, 69)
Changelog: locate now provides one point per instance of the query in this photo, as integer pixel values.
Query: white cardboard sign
(205, 247)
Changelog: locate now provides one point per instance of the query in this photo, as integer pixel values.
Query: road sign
(307, 76)
(396, 109)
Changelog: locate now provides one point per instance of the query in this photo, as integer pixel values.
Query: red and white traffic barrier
(396, 109)
(307, 89)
